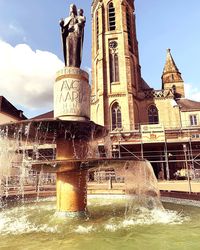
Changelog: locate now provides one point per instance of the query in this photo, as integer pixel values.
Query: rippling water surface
(109, 226)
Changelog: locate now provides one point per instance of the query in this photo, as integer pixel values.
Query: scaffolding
(179, 150)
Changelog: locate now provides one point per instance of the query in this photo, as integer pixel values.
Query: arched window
(116, 116)
(153, 115)
(97, 30)
(111, 16)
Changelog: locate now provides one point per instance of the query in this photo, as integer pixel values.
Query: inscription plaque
(72, 95)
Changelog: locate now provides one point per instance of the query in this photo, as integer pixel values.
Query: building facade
(9, 113)
(160, 125)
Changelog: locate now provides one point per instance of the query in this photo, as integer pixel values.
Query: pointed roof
(47, 115)
(170, 66)
(171, 73)
(144, 85)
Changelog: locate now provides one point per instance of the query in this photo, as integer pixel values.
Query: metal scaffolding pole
(187, 167)
(166, 159)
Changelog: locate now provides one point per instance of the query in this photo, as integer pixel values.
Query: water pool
(110, 225)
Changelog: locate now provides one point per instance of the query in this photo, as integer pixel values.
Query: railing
(149, 94)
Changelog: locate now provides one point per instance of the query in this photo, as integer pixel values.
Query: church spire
(171, 77)
(171, 73)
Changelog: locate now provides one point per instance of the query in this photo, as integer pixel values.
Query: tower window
(174, 88)
(114, 67)
(128, 23)
(111, 16)
(114, 62)
(97, 30)
(193, 120)
(116, 116)
(153, 115)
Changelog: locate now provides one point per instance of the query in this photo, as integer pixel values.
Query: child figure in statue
(80, 29)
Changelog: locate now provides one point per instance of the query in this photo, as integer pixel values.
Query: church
(159, 125)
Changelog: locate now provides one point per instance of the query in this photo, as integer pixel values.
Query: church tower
(116, 74)
(171, 77)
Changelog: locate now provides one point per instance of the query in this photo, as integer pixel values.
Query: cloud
(192, 92)
(27, 76)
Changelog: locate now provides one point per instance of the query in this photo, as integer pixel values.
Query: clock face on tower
(113, 45)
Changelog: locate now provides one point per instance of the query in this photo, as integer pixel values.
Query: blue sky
(30, 47)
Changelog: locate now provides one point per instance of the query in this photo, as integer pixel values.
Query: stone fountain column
(71, 185)
(71, 103)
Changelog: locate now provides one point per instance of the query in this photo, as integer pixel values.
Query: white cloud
(27, 76)
(192, 92)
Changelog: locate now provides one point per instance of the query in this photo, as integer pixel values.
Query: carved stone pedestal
(72, 95)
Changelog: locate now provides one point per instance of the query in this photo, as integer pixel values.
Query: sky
(31, 51)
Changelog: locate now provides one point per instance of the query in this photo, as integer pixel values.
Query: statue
(72, 30)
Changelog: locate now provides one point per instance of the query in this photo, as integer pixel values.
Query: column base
(78, 214)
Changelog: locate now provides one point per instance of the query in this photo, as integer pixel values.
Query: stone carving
(72, 95)
(72, 30)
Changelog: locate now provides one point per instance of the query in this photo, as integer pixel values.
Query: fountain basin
(109, 226)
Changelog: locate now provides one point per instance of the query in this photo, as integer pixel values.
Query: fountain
(70, 131)
(136, 220)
